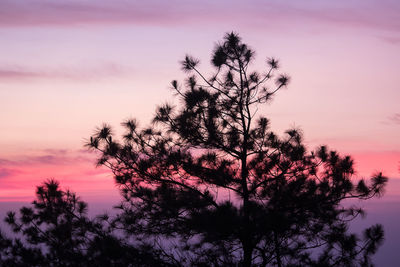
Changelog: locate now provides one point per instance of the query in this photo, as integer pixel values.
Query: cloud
(5, 172)
(55, 157)
(381, 14)
(102, 71)
(394, 40)
(16, 73)
(395, 118)
(55, 13)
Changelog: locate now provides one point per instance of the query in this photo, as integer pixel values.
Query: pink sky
(68, 66)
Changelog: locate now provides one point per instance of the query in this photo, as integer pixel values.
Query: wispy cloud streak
(17, 73)
(6, 172)
(372, 14)
(58, 157)
(56, 13)
(395, 118)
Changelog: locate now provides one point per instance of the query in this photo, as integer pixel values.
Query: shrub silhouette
(209, 184)
(58, 232)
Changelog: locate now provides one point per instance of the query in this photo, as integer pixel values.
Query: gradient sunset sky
(68, 66)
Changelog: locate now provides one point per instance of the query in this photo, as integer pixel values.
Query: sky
(66, 67)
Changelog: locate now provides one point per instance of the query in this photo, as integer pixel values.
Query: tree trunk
(277, 251)
(247, 240)
(247, 251)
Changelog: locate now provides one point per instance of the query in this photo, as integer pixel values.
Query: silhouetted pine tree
(210, 184)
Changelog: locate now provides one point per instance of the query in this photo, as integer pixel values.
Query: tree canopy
(209, 183)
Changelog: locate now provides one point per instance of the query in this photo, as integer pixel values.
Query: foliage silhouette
(284, 204)
(56, 231)
(208, 184)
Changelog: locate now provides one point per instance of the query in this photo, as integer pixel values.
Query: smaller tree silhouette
(209, 183)
(56, 231)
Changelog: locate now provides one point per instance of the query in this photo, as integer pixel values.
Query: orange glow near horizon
(76, 171)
